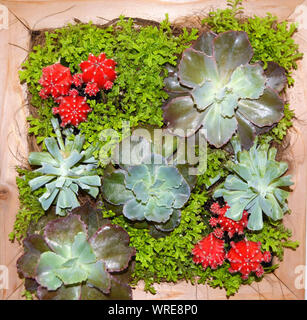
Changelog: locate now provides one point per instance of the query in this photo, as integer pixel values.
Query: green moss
(270, 39)
(274, 237)
(137, 94)
(29, 209)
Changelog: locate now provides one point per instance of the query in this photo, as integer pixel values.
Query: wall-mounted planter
(287, 281)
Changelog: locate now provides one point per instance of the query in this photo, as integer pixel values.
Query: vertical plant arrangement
(91, 228)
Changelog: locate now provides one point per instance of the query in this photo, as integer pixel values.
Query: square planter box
(287, 282)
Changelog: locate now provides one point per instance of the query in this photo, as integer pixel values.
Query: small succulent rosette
(256, 185)
(65, 169)
(71, 262)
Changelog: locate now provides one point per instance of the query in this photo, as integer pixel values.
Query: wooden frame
(287, 281)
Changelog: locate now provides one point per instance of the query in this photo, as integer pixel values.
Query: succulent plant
(79, 257)
(216, 88)
(99, 70)
(148, 191)
(56, 81)
(246, 257)
(65, 169)
(256, 185)
(225, 224)
(209, 252)
(73, 109)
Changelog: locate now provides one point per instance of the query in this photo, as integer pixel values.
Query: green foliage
(270, 39)
(168, 258)
(274, 237)
(138, 52)
(27, 295)
(280, 130)
(30, 210)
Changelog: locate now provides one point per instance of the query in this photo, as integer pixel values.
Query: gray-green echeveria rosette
(217, 89)
(65, 168)
(67, 264)
(152, 190)
(256, 185)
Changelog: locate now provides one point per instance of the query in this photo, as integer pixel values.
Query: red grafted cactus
(73, 109)
(246, 257)
(227, 225)
(209, 252)
(56, 81)
(99, 70)
(77, 80)
(91, 89)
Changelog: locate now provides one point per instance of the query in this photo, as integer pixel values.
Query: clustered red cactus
(244, 256)
(97, 73)
(226, 225)
(99, 70)
(73, 109)
(209, 252)
(56, 81)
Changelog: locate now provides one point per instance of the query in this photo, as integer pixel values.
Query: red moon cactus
(99, 70)
(56, 81)
(209, 252)
(246, 257)
(73, 109)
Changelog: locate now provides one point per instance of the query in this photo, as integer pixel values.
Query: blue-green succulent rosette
(215, 88)
(257, 184)
(153, 191)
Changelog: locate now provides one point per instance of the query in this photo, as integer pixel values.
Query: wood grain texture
(13, 128)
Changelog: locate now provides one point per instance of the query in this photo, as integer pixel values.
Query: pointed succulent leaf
(204, 95)
(156, 213)
(71, 274)
(118, 291)
(114, 188)
(34, 246)
(231, 50)
(195, 67)
(48, 263)
(218, 129)
(81, 249)
(171, 224)
(181, 117)
(247, 81)
(265, 111)
(63, 293)
(53, 148)
(60, 233)
(246, 131)
(111, 245)
(38, 182)
(276, 76)
(134, 210)
(38, 158)
(204, 43)
(98, 277)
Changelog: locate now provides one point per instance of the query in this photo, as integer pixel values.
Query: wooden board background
(287, 282)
